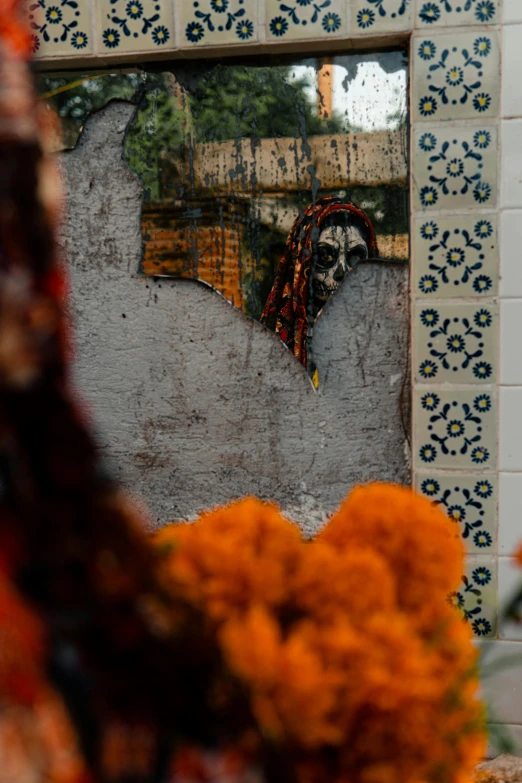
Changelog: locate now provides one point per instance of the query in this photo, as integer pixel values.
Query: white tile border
(510, 241)
(509, 573)
(503, 689)
(511, 165)
(512, 11)
(510, 434)
(510, 329)
(510, 513)
(511, 92)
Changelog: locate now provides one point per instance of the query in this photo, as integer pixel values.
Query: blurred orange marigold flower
(412, 534)
(352, 659)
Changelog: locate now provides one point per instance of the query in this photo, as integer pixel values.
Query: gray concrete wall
(194, 404)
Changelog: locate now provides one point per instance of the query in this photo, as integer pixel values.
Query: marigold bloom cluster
(351, 657)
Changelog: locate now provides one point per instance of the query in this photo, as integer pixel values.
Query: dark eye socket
(356, 254)
(327, 256)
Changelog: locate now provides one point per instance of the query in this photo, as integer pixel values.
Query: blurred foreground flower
(352, 659)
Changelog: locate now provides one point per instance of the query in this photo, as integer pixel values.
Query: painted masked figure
(324, 245)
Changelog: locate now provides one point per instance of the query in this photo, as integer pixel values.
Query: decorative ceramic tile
(60, 27)
(455, 168)
(476, 597)
(375, 16)
(215, 22)
(455, 429)
(456, 256)
(456, 343)
(292, 19)
(456, 76)
(470, 501)
(450, 13)
(134, 25)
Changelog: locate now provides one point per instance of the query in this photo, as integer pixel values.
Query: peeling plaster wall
(195, 404)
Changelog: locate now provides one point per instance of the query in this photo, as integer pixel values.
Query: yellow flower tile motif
(217, 22)
(476, 596)
(455, 76)
(295, 19)
(134, 26)
(456, 343)
(456, 256)
(60, 27)
(454, 428)
(455, 168)
(376, 16)
(452, 13)
(470, 501)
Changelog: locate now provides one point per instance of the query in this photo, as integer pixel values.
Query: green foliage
(75, 98)
(263, 102)
(161, 127)
(159, 124)
(226, 103)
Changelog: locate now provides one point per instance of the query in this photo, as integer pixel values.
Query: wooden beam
(288, 164)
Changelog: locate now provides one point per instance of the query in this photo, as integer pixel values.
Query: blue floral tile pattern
(456, 343)
(455, 429)
(456, 256)
(60, 27)
(295, 19)
(470, 501)
(135, 25)
(371, 16)
(455, 168)
(215, 22)
(455, 76)
(476, 597)
(451, 13)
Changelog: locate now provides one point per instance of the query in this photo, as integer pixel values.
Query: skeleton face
(339, 249)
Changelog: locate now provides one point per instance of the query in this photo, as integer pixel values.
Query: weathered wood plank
(269, 165)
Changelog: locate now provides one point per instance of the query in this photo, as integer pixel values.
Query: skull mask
(339, 249)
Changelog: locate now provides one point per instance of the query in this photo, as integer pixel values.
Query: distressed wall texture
(196, 405)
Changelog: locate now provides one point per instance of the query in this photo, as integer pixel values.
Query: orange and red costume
(286, 309)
